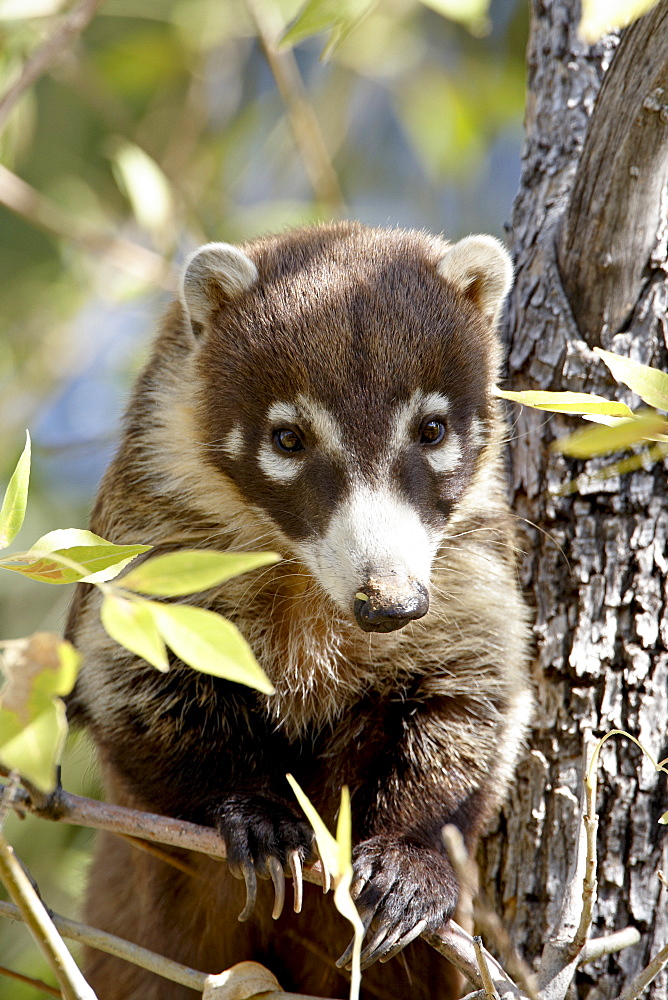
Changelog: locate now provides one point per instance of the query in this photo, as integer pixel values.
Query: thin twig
(485, 918)
(589, 883)
(113, 945)
(301, 116)
(137, 260)
(29, 981)
(490, 989)
(635, 988)
(44, 57)
(608, 944)
(145, 959)
(40, 925)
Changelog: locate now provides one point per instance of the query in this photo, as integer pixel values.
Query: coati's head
(346, 376)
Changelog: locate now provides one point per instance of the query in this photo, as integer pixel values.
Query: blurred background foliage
(167, 123)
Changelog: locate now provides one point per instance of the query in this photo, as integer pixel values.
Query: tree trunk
(589, 235)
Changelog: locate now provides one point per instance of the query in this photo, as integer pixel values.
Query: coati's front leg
(224, 769)
(433, 774)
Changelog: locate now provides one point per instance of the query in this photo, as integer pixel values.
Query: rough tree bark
(589, 234)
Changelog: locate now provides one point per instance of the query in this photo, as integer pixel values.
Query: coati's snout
(380, 607)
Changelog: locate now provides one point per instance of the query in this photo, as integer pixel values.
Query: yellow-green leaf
(190, 571)
(465, 11)
(664, 819)
(602, 440)
(647, 382)
(132, 624)
(70, 555)
(39, 671)
(338, 16)
(16, 498)
(602, 16)
(336, 853)
(209, 643)
(567, 402)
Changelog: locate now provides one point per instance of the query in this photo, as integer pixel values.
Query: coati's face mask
(347, 394)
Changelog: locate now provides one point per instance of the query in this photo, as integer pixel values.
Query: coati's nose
(377, 610)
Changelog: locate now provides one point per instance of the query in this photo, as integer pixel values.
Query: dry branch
(303, 121)
(451, 941)
(137, 260)
(48, 54)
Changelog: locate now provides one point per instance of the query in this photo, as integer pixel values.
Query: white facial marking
(282, 469)
(434, 404)
(323, 424)
(424, 404)
(477, 433)
(282, 412)
(445, 457)
(374, 534)
(233, 442)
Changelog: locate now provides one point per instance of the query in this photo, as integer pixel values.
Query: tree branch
(617, 209)
(23, 199)
(39, 61)
(301, 116)
(635, 988)
(451, 941)
(40, 925)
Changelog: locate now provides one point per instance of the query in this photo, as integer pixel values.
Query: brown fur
(423, 724)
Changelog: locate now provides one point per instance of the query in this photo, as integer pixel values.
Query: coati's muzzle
(382, 609)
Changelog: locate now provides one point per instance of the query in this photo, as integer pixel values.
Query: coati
(325, 393)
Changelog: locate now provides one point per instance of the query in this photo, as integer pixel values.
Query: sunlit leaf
(209, 643)
(188, 572)
(39, 672)
(336, 853)
(21, 9)
(16, 499)
(132, 624)
(70, 555)
(472, 12)
(648, 383)
(567, 402)
(664, 819)
(336, 16)
(146, 186)
(602, 440)
(602, 16)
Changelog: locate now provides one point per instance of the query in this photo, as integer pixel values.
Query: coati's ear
(480, 267)
(211, 275)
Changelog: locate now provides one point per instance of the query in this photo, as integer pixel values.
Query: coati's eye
(433, 432)
(288, 440)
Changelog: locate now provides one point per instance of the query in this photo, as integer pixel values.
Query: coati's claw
(297, 884)
(326, 877)
(402, 889)
(402, 942)
(344, 962)
(278, 878)
(251, 892)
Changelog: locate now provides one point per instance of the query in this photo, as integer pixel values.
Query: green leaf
(601, 16)
(567, 402)
(39, 670)
(647, 382)
(72, 555)
(472, 12)
(664, 819)
(132, 624)
(208, 642)
(190, 571)
(338, 16)
(16, 499)
(336, 853)
(602, 440)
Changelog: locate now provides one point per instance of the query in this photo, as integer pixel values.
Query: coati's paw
(264, 837)
(401, 889)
